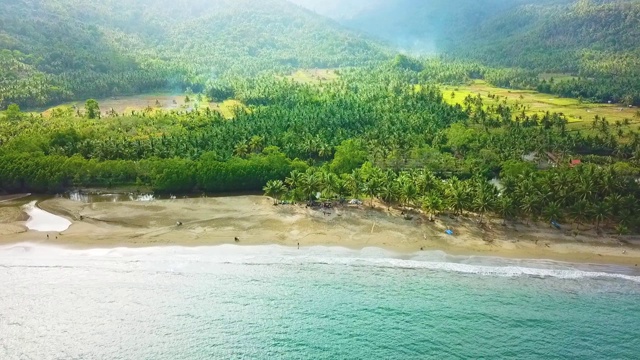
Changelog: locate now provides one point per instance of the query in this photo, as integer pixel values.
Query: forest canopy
(280, 99)
(597, 42)
(374, 133)
(70, 49)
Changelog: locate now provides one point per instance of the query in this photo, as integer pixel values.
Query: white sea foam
(175, 258)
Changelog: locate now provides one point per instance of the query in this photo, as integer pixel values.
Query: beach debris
(556, 225)
(449, 232)
(179, 223)
(236, 239)
(355, 202)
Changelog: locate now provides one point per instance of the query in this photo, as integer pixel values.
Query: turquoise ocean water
(271, 302)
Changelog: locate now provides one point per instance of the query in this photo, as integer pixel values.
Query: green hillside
(561, 38)
(79, 48)
(597, 42)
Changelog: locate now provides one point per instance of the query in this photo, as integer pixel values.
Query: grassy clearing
(126, 104)
(580, 115)
(228, 107)
(155, 102)
(313, 76)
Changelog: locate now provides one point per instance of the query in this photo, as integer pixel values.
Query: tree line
(28, 172)
(599, 196)
(386, 117)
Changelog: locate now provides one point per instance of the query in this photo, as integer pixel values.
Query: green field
(313, 76)
(579, 114)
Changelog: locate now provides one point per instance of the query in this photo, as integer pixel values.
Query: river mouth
(40, 220)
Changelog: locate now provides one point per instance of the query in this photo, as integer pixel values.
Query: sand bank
(255, 221)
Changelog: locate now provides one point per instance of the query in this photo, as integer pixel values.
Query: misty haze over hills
(341, 9)
(421, 27)
(545, 35)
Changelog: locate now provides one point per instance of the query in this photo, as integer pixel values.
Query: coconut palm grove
(268, 96)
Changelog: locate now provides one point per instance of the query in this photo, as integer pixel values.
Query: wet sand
(255, 221)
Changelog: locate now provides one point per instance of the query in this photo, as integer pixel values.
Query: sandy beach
(254, 220)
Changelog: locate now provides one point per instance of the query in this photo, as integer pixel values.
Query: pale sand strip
(213, 221)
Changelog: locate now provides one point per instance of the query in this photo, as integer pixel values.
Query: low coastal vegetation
(375, 133)
(252, 92)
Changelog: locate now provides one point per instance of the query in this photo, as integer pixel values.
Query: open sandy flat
(254, 221)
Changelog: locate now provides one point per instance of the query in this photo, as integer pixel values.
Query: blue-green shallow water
(319, 303)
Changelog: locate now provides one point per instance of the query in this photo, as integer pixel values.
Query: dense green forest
(378, 129)
(54, 51)
(377, 132)
(596, 41)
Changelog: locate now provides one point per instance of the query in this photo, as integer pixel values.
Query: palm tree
(601, 212)
(310, 185)
(353, 183)
(341, 189)
(328, 183)
(372, 187)
(408, 192)
(579, 212)
(485, 199)
(325, 151)
(614, 202)
(389, 193)
(506, 208)
(241, 150)
(553, 212)
(274, 189)
(432, 204)
(295, 181)
(255, 144)
(529, 206)
(457, 196)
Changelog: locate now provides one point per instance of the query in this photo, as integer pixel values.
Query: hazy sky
(338, 8)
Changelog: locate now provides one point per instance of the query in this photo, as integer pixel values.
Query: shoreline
(269, 254)
(255, 221)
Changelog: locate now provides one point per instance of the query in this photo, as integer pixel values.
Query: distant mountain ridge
(551, 35)
(596, 42)
(53, 50)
